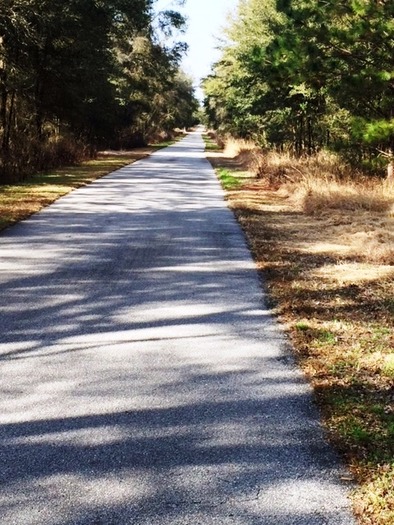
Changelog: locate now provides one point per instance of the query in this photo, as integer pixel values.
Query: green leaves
(373, 131)
(293, 66)
(95, 71)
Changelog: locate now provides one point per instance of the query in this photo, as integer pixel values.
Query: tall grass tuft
(320, 192)
(323, 185)
(234, 147)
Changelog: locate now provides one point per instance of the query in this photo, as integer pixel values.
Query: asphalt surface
(143, 379)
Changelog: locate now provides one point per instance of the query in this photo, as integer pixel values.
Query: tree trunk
(3, 100)
(390, 171)
(310, 136)
(390, 166)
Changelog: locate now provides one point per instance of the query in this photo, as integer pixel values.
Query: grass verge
(229, 182)
(334, 295)
(210, 142)
(19, 201)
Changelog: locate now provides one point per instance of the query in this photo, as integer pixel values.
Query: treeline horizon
(306, 75)
(81, 75)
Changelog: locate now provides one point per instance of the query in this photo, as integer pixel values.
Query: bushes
(31, 155)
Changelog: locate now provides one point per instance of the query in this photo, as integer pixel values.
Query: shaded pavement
(143, 379)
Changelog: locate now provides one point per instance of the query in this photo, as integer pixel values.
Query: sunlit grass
(234, 147)
(228, 180)
(19, 201)
(210, 144)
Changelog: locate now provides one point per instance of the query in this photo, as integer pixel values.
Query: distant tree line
(78, 75)
(309, 74)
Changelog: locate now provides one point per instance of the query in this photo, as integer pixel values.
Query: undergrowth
(361, 207)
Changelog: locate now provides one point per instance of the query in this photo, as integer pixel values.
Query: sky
(205, 20)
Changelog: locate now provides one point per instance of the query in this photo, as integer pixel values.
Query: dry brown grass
(358, 211)
(19, 201)
(317, 194)
(234, 147)
(325, 246)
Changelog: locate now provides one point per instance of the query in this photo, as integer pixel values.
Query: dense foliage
(83, 74)
(309, 74)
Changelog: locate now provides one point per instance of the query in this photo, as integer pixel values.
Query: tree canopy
(308, 74)
(85, 74)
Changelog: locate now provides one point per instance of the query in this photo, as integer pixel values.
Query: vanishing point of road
(143, 378)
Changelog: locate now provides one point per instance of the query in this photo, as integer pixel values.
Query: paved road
(143, 380)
